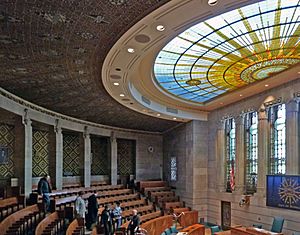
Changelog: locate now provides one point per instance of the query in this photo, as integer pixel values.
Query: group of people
(111, 218)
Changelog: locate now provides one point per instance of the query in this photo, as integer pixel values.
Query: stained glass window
(230, 154)
(277, 161)
(251, 126)
(173, 167)
(230, 51)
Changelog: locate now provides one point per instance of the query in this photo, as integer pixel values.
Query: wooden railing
(11, 205)
(52, 224)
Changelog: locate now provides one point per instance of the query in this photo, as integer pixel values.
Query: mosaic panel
(7, 139)
(40, 153)
(126, 157)
(100, 156)
(71, 152)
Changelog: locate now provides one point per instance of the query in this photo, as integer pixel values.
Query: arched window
(230, 154)
(277, 161)
(251, 125)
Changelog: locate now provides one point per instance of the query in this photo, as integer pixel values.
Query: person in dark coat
(92, 214)
(134, 223)
(44, 190)
(106, 220)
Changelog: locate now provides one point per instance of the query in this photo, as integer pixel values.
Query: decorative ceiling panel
(51, 53)
(231, 51)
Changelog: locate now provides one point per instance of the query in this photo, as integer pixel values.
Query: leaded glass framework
(230, 51)
(173, 168)
(277, 118)
(251, 137)
(230, 131)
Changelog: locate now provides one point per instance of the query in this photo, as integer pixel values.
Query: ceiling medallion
(117, 2)
(234, 49)
(193, 82)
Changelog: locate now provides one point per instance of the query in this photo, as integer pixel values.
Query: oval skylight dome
(230, 51)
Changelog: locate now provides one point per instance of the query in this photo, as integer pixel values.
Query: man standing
(92, 214)
(106, 220)
(118, 215)
(134, 223)
(80, 208)
(44, 189)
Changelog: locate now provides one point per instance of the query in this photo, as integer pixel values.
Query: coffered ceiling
(51, 53)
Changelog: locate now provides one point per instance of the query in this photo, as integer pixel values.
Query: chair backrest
(277, 224)
(214, 229)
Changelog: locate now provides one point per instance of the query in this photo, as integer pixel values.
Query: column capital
(26, 119)
(221, 124)
(86, 133)
(293, 105)
(113, 137)
(57, 127)
(239, 119)
(262, 114)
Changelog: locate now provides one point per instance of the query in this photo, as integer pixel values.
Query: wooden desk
(251, 231)
(196, 229)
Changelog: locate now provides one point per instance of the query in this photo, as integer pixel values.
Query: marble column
(87, 160)
(240, 155)
(263, 151)
(221, 157)
(114, 159)
(28, 156)
(292, 137)
(59, 157)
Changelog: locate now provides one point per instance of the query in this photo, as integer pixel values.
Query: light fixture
(193, 82)
(241, 95)
(116, 83)
(266, 85)
(160, 28)
(158, 115)
(122, 95)
(221, 102)
(130, 50)
(212, 2)
(174, 118)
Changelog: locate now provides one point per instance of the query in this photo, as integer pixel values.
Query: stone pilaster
(28, 155)
(58, 156)
(114, 159)
(292, 137)
(263, 151)
(221, 157)
(87, 159)
(240, 155)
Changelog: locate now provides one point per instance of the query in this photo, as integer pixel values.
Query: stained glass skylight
(231, 51)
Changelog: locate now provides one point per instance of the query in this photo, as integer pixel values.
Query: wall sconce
(245, 201)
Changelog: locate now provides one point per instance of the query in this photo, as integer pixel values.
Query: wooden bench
(120, 198)
(142, 210)
(156, 189)
(23, 220)
(52, 224)
(168, 205)
(196, 229)
(158, 225)
(150, 184)
(11, 205)
(239, 230)
(160, 201)
(76, 227)
(181, 209)
(165, 194)
(189, 218)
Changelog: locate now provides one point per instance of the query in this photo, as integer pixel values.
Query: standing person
(134, 223)
(92, 214)
(175, 217)
(80, 208)
(118, 215)
(106, 220)
(44, 189)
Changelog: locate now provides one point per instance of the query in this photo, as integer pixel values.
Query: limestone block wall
(257, 211)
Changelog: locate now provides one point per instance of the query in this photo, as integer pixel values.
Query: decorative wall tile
(100, 156)
(126, 156)
(7, 139)
(40, 153)
(71, 152)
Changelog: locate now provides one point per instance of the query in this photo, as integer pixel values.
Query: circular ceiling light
(160, 28)
(115, 76)
(142, 38)
(174, 118)
(212, 2)
(266, 85)
(158, 115)
(193, 82)
(130, 50)
(116, 83)
(122, 95)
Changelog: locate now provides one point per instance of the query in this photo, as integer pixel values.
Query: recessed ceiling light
(212, 2)
(266, 85)
(299, 72)
(160, 28)
(130, 50)
(241, 95)
(116, 83)
(122, 95)
(144, 110)
(158, 115)
(221, 103)
(174, 118)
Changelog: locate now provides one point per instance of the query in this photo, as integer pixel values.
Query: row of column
(292, 148)
(59, 157)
